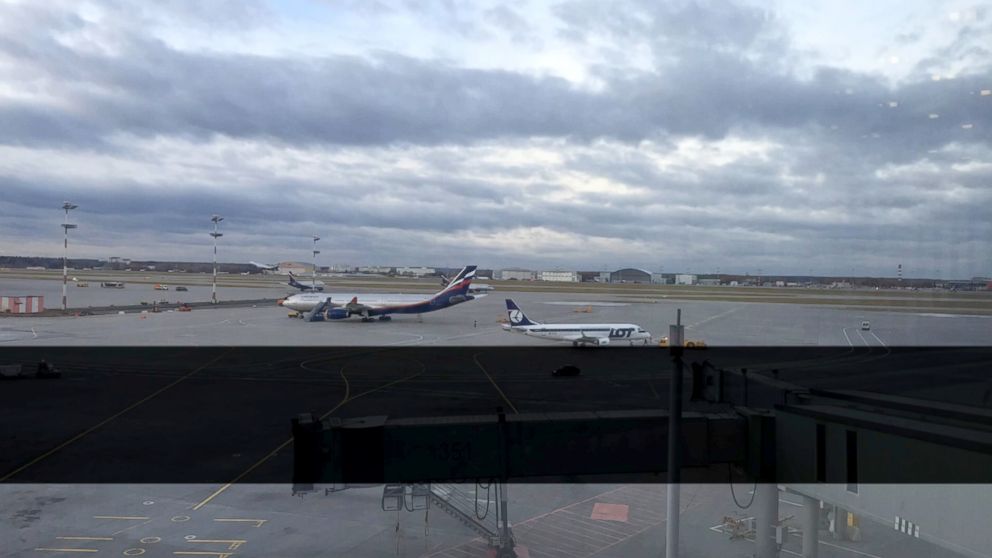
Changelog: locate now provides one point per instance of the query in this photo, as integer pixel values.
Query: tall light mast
(65, 254)
(315, 252)
(216, 219)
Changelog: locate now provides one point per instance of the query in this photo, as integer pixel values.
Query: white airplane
(338, 306)
(269, 267)
(578, 334)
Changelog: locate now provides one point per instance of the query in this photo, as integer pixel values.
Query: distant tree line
(48, 263)
(21, 262)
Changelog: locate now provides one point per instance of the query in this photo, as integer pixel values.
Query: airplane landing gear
(385, 318)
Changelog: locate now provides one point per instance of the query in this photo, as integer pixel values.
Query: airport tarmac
(476, 323)
(232, 519)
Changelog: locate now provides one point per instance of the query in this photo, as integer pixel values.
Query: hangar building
(630, 275)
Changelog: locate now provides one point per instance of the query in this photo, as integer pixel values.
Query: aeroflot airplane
(322, 306)
(578, 334)
(308, 286)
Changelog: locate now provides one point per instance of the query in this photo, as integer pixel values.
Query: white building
(517, 274)
(561, 276)
(685, 279)
(297, 268)
(375, 269)
(415, 271)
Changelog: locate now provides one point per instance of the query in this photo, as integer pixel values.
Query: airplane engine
(602, 342)
(338, 314)
(457, 299)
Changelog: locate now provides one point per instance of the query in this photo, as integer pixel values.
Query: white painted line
(839, 547)
(584, 303)
(719, 529)
(863, 339)
(848, 338)
(877, 338)
(711, 318)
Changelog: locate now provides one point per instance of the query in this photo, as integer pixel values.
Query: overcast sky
(787, 137)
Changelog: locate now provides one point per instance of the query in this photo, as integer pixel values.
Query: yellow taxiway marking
(257, 522)
(85, 538)
(125, 517)
(68, 549)
(131, 527)
(89, 430)
(493, 382)
(347, 397)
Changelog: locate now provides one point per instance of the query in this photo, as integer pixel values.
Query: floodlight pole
(675, 347)
(216, 219)
(315, 252)
(65, 252)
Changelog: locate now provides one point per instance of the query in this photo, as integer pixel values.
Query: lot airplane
(323, 306)
(578, 334)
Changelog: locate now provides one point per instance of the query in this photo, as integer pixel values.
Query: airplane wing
(591, 339)
(357, 307)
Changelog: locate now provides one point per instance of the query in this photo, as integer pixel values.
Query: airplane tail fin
(460, 284)
(516, 315)
(293, 282)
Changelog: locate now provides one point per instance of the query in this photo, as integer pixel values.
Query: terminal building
(594, 276)
(560, 276)
(385, 270)
(516, 274)
(415, 271)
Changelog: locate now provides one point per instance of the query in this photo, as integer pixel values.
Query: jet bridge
(828, 446)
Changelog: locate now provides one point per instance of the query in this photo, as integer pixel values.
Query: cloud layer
(698, 137)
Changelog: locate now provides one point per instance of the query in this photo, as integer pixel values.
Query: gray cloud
(151, 89)
(822, 195)
(510, 21)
